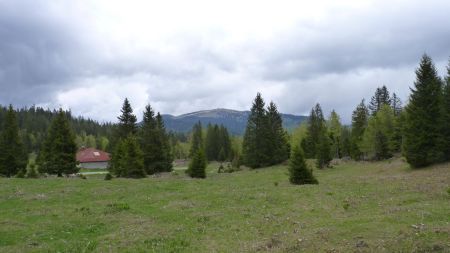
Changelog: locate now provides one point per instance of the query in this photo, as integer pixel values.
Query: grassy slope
(371, 207)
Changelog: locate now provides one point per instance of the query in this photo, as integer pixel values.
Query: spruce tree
(316, 126)
(212, 142)
(377, 141)
(58, 153)
(423, 143)
(396, 104)
(116, 164)
(380, 98)
(359, 124)
(197, 166)
(127, 121)
(149, 140)
(446, 117)
(12, 153)
(323, 151)
(165, 161)
(225, 142)
(255, 144)
(299, 172)
(196, 139)
(335, 130)
(279, 146)
(132, 160)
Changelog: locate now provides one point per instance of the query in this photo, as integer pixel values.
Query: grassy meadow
(357, 207)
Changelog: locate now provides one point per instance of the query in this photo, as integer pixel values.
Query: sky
(185, 56)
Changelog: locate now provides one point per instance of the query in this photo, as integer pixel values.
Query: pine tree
(58, 153)
(423, 143)
(335, 130)
(380, 98)
(12, 153)
(359, 124)
(299, 172)
(255, 144)
(197, 166)
(279, 146)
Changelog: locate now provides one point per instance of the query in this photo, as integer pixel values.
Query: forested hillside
(34, 122)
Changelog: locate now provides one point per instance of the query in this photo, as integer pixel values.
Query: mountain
(235, 121)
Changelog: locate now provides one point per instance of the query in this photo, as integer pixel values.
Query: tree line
(420, 131)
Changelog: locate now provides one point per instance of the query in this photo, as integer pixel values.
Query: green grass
(357, 207)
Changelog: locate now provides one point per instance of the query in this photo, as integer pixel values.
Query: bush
(20, 174)
(108, 176)
(32, 172)
(221, 169)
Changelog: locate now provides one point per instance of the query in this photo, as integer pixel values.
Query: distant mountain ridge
(234, 120)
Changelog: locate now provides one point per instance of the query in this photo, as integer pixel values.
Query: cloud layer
(182, 57)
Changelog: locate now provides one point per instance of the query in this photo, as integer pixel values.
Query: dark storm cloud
(54, 53)
(385, 37)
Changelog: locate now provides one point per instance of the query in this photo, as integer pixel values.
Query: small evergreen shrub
(20, 174)
(32, 171)
(108, 176)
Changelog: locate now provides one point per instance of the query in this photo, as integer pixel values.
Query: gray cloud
(50, 57)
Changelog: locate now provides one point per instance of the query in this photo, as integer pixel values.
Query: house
(91, 158)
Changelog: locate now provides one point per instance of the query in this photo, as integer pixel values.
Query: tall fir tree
(155, 143)
(299, 172)
(212, 142)
(132, 159)
(127, 121)
(225, 142)
(13, 157)
(380, 98)
(165, 161)
(423, 143)
(377, 141)
(335, 131)
(59, 150)
(396, 104)
(316, 126)
(446, 118)
(279, 146)
(196, 139)
(255, 144)
(323, 151)
(359, 124)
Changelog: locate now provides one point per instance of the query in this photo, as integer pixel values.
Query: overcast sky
(183, 56)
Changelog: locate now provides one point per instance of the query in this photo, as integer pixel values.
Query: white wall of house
(94, 165)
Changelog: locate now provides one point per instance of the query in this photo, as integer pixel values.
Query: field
(357, 207)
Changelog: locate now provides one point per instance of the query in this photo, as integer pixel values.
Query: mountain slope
(235, 121)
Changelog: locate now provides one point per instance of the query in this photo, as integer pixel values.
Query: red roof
(86, 155)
